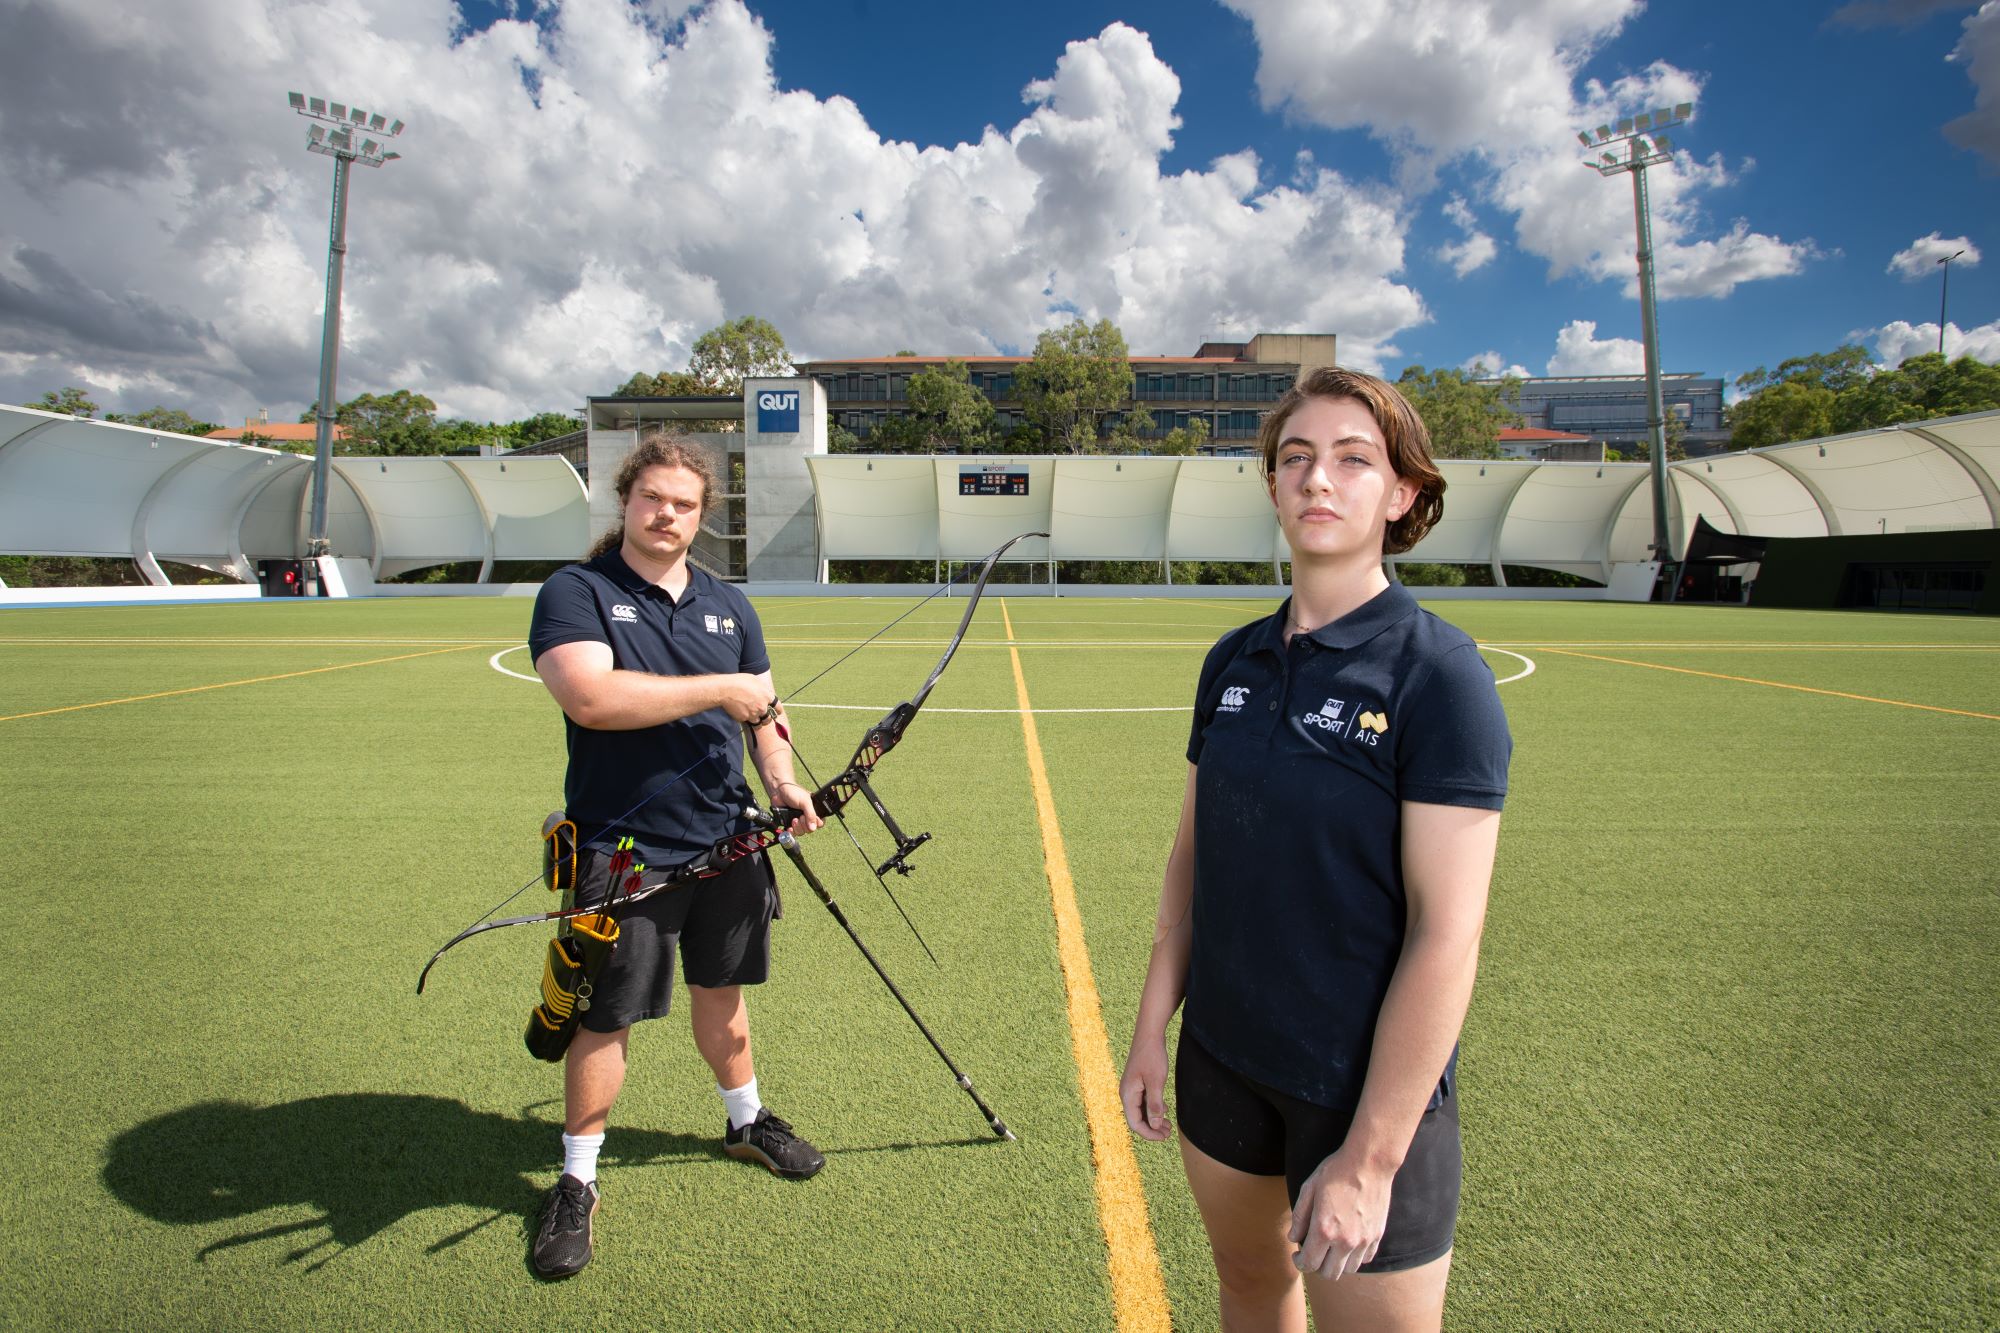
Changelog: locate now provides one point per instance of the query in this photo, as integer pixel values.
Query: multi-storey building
(1228, 385)
(1611, 409)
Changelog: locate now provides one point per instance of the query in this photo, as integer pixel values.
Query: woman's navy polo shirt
(1304, 756)
(710, 631)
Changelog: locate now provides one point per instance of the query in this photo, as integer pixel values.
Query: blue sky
(589, 184)
(1833, 132)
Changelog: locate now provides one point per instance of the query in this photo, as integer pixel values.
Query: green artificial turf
(1731, 1062)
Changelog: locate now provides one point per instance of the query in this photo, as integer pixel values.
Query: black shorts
(1257, 1129)
(721, 928)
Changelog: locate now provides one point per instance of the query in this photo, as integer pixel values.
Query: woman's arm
(1447, 854)
(1144, 1086)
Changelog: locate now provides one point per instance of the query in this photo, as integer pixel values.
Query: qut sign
(778, 411)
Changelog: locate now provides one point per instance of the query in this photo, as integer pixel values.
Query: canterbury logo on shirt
(626, 614)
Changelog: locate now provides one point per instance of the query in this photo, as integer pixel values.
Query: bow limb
(965, 623)
(703, 865)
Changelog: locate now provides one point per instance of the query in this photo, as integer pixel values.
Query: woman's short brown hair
(659, 446)
(1403, 431)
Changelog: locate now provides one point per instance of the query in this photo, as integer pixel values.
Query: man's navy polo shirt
(710, 631)
(1304, 756)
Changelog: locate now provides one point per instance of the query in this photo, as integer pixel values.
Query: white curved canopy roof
(1578, 517)
(70, 486)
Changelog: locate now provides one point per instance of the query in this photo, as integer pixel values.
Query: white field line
(1527, 664)
(494, 662)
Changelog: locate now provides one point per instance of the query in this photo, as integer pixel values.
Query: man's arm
(772, 754)
(595, 694)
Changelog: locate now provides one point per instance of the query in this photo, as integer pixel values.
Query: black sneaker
(771, 1141)
(562, 1243)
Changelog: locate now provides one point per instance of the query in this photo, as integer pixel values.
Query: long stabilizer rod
(791, 846)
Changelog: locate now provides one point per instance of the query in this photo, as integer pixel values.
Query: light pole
(1627, 148)
(1945, 294)
(346, 143)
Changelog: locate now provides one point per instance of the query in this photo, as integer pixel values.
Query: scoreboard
(992, 479)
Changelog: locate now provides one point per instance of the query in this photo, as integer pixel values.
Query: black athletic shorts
(721, 928)
(1257, 1129)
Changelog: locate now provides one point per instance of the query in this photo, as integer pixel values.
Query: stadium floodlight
(340, 146)
(1583, 137)
(377, 121)
(1631, 151)
(1945, 294)
(1642, 121)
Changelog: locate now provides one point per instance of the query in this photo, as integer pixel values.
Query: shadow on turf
(364, 1160)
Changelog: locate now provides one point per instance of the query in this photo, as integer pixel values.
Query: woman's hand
(1143, 1089)
(1340, 1216)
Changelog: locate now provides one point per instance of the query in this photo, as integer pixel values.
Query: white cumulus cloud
(1475, 249)
(1897, 341)
(1920, 258)
(1579, 351)
(1498, 81)
(1492, 363)
(584, 193)
(1978, 50)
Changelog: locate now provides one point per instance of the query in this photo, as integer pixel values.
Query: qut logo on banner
(778, 411)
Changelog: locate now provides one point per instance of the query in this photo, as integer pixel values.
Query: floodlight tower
(1635, 144)
(348, 142)
(1944, 294)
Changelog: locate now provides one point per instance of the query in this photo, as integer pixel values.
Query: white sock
(742, 1103)
(580, 1155)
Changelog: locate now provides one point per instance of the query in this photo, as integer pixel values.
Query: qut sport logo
(778, 411)
(1328, 717)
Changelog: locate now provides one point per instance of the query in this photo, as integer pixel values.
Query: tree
(394, 423)
(731, 352)
(1078, 373)
(1464, 412)
(950, 412)
(1785, 410)
(666, 384)
(68, 400)
(1831, 393)
(898, 433)
(1186, 439)
(163, 418)
(1837, 371)
(541, 426)
(1922, 387)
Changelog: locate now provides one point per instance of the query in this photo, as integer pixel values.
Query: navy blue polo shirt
(1304, 755)
(710, 631)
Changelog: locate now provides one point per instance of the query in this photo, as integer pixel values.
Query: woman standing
(1323, 901)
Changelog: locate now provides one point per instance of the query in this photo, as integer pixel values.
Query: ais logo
(778, 411)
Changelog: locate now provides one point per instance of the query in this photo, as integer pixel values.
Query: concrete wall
(784, 421)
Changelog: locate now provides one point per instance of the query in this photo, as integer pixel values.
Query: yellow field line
(1775, 684)
(227, 684)
(1138, 1292)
